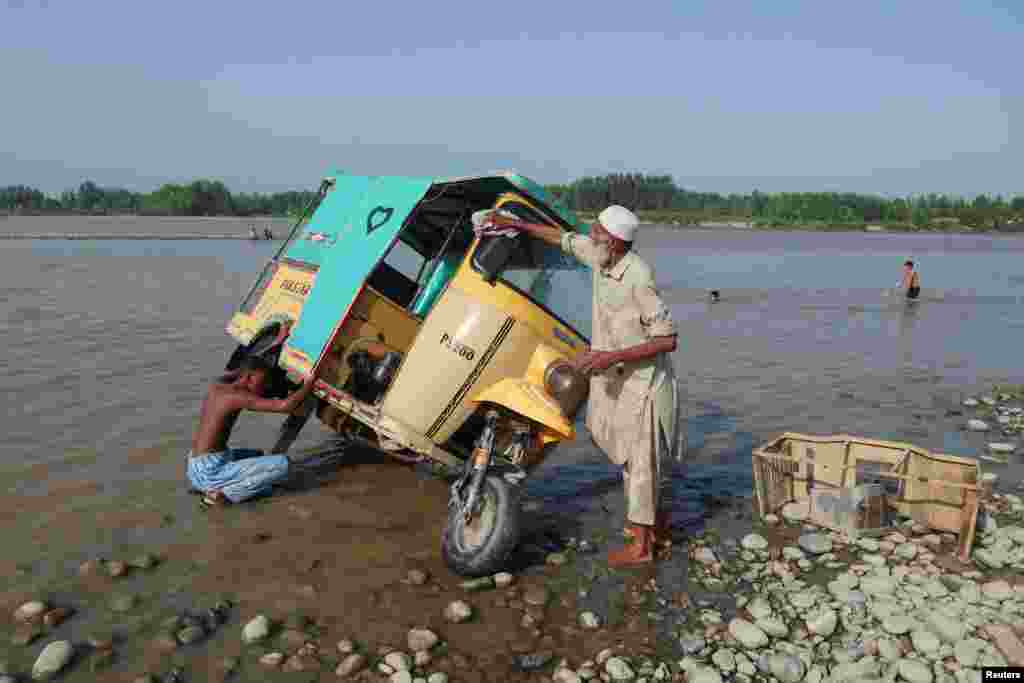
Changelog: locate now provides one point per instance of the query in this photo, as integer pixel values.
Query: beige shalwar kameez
(633, 409)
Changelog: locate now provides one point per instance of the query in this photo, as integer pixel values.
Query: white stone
(748, 634)
(968, 651)
(590, 621)
(618, 669)
(925, 642)
(898, 624)
(52, 659)
(970, 402)
(977, 425)
(30, 610)
(704, 674)
(256, 630)
(815, 544)
(823, 623)
(914, 671)
(398, 661)
(422, 639)
(402, 676)
(997, 590)
(907, 551)
(458, 611)
(437, 677)
(773, 627)
(1002, 447)
(503, 579)
(754, 542)
(794, 512)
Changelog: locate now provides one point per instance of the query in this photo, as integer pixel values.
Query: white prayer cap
(619, 221)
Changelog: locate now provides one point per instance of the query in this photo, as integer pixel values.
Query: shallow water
(110, 343)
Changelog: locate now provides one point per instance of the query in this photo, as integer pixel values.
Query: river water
(109, 344)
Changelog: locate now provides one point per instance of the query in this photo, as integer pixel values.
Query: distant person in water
(231, 475)
(715, 296)
(266, 233)
(911, 282)
(252, 232)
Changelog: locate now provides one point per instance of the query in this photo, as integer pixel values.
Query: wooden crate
(937, 490)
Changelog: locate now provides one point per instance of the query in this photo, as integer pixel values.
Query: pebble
(997, 590)
(704, 674)
(145, 561)
(914, 671)
(815, 544)
(977, 425)
(705, 555)
(532, 661)
(30, 611)
(925, 642)
(417, 577)
(90, 567)
(352, 664)
(907, 551)
(823, 623)
(52, 660)
(117, 568)
(970, 402)
(754, 542)
(124, 603)
(1000, 447)
(898, 624)
(618, 669)
(190, 634)
(272, 659)
(398, 661)
(458, 612)
(590, 621)
(771, 519)
(748, 634)
(256, 630)
(437, 677)
(503, 579)
(773, 627)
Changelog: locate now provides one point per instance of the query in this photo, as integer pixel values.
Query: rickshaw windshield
(553, 280)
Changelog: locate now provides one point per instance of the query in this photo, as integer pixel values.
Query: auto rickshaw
(437, 344)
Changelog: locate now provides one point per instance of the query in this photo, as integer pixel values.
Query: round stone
(914, 671)
(898, 624)
(925, 642)
(815, 544)
(823, 623)
(52, 659)
(422, 639)
(754, 542)
(256, 630)
(748, 634)
(458, 612)
(907, 551)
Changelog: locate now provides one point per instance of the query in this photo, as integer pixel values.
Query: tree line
(659, 195)
(198, 198)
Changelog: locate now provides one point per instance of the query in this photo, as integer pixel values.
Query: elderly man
(633, 410)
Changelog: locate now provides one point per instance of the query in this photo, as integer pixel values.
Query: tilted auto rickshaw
(436, 344)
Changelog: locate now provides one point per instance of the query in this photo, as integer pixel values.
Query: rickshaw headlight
(566, 385)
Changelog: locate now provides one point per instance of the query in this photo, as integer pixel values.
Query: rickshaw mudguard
(525, 398)
(355, 225)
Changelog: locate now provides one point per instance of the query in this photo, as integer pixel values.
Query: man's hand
(594, 361)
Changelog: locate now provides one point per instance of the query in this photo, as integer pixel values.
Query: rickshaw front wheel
(482, 546)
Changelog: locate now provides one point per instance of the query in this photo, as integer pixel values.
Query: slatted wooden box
(939, 491)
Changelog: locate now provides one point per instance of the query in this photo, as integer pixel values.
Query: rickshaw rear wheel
(483, 546)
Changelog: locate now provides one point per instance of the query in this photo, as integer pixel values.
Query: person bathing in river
(231, 475)
(633, 409)
(911, 281)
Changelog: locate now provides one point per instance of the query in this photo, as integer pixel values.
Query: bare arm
(649, 349)
(274, 405)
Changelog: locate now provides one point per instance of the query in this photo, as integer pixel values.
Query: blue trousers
(240, 473)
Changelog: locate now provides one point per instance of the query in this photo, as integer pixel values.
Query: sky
(870, 96)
